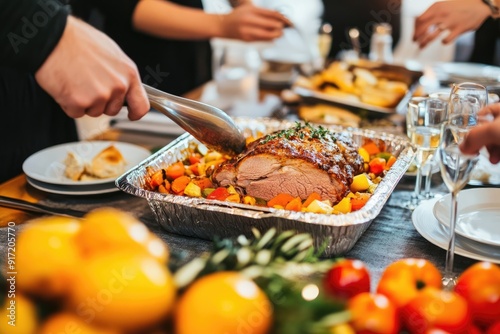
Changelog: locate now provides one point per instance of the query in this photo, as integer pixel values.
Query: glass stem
(427, 182)
(450, 253)
(418, 181)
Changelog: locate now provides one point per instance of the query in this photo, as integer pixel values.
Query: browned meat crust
(297, 161)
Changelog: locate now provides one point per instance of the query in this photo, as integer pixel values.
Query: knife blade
(19, 204)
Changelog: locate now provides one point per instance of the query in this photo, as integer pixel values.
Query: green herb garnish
(301, 130)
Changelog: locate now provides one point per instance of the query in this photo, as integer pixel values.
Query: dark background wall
(362, 14)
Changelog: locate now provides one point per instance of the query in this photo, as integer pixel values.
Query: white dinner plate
(48, 166)
(83, 190)
(427, 225)
(478, 215)
(468, 71)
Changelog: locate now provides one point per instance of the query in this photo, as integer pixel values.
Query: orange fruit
(47, 256)
(123, 290)
(18, 316)
(109, 229)
(70, 323)
(223, 302)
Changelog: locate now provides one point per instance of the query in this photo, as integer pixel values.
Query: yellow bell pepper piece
(344, 206)
(364, 154)
(360, 183)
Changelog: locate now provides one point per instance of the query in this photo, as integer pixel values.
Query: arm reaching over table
(454, 16)
(87, 73)
(487, 135)
(245, 22)
(81, 68)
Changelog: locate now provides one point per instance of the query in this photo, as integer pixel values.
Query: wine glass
(431, 163)
(455, 168)
(424, 119)
(467, 90)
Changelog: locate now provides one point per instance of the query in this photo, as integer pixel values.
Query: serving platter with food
(271, 183)
(364, 85)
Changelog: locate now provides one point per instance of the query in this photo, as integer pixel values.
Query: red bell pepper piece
(220, 194)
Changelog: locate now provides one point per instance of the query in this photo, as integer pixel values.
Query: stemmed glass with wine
(456, 167)
(424, 119)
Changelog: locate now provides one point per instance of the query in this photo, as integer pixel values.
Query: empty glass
(466, 90)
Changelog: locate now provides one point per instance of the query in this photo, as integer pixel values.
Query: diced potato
(192, 190)
(249, 200)
(235, 198)
(202, 149)
(202, 169)
(344, 206)
(213, 155)
(213, 163)
(360, 183)
(372, 188)
(319, 207)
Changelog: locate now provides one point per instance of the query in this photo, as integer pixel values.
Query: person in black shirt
(169, 40)
(50, 61)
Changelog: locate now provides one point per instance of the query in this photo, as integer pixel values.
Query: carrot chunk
(180, 183)
(280, 199)
(371, 148)
(176, 170)
(294, 205)
(359, 200)
(311, 198)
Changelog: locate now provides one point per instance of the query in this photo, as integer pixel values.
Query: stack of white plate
(45, 169)
(477, 228)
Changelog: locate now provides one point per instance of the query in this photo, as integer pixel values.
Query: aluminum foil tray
(201, 218)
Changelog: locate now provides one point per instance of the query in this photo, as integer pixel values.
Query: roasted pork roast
(298, 161)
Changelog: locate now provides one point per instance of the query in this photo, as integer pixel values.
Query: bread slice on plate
(75, 166)
(107, 163)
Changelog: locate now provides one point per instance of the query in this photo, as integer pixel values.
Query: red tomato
(347, 278)
(494, 329)
(373, 313)
(402, 279)
(435, 308)
(377, 165)
(480, 286)
(220, 194)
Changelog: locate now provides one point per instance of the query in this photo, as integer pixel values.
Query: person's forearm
(29, 31)
(168, 20)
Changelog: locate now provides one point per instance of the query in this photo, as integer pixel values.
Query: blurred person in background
(54, 67)
(170, 40)
(455, 17)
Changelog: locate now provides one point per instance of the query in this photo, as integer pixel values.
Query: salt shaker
(381, 43)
